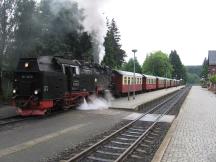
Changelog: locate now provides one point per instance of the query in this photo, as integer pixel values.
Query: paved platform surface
(36, 141)
(194, 139)
(123, 103)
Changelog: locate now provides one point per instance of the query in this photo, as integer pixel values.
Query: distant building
(212, 62)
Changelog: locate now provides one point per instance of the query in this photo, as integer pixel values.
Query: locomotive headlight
(36, 92)
(14, 91)
(26, 65)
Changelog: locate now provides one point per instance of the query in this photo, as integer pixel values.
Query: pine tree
(178, 69)
(204, 72)
(129, 66)
(114, 55)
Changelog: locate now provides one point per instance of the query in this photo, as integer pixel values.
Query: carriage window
(128, 80)
(73, 70)
(125, 80)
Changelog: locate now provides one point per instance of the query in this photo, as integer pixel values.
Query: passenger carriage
(160, 82)
(123, 82)
(168, 82)
(177, 83)
(149, 82)
(173, 82)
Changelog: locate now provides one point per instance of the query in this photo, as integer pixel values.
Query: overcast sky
(188, 26)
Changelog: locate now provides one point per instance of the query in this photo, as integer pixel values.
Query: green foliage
(129, 66)
(194, 69)
(114, 55)
(192, 78)
(212, 79)
(193, 73)
(178, 69)
(157, 64)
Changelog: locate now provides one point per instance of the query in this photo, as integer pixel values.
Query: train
(47, 83)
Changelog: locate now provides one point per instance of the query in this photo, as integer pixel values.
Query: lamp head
(134, 50)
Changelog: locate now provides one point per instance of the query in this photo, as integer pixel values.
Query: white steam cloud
(97, 103)
(95, 24)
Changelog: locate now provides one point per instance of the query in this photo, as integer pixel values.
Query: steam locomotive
(46, 83)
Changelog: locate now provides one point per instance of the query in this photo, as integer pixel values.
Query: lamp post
(134, 82)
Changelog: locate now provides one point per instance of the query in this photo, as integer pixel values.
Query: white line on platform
(25, 145)
(150, 117)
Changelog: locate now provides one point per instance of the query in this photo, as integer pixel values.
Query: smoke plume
(93, 21)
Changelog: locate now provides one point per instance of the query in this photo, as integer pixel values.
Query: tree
(62, 31)
(26, 31)
(204, 72)
(114, 55)
(176, 63)
(129, 66)
(192, 78)
(157, 64)
(7, 23)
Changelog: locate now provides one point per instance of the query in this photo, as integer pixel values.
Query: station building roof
(212, 57)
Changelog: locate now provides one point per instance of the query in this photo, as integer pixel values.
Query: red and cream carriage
(149, 82)
(124, 82)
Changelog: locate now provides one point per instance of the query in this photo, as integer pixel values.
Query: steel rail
(11, 120)
(86, 151)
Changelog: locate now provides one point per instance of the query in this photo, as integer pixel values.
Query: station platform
(191, 137)
(141, 99)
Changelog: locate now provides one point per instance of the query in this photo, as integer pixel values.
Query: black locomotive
(49, 82)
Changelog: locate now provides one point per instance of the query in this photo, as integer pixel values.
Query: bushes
(213, 79)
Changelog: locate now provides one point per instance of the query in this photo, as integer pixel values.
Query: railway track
(128, 140)
(11, 120)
